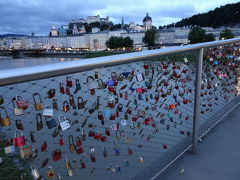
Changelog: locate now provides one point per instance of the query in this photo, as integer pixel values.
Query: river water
(9, 63)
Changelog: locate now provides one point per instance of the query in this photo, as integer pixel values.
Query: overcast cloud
(26, 16)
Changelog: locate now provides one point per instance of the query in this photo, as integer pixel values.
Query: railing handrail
(17, 75)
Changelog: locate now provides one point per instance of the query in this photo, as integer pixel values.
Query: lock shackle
(78, 139)
(14, 102)
(21, 133)
(62, 118)
(34, 98)
(68, 78)
(71, 97)
(71, 140)
(90, 77)
(79, 98)
(18, 97)
(65, 103)
(5, 111)
(48, 107)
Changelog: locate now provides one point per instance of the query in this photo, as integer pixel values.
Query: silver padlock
(17, 111)
(35, 172)
(48, 111)
(91, 83)
(64, 123)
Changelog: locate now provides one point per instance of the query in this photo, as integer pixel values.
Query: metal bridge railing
(125, 116)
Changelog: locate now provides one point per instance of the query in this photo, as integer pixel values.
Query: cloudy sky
(26, 16)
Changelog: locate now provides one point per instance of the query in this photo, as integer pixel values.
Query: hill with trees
(227, 15)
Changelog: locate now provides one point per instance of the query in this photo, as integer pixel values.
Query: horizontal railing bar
(11, 76)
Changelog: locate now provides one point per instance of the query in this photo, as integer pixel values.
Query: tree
(150, 36)
(226, 34)
(196, 35)
(115, 42)
(209, 37)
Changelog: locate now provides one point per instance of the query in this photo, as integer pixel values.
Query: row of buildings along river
(75, 35)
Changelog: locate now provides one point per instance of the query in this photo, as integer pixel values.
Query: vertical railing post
(196, 115)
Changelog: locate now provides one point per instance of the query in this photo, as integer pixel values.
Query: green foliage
(224, 15)
(209, 37)
(226, 34)
(198, 35)
(150, 36)
(115, 42)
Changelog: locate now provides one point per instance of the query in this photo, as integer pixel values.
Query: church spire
(122, 25)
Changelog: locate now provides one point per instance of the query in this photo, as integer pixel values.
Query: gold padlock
(51, 174)
(38, 105)
(68, 164)
(25, 152)
(4, 121)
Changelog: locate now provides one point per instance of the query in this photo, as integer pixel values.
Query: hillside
(222, 16)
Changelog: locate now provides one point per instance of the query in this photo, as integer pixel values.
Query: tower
(122, 25)
(147, 22)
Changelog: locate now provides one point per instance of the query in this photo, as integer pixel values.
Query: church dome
(147, 18)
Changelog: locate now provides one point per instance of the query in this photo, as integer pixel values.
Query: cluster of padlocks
(112, 121)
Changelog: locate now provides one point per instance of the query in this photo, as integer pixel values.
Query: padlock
(50, 173)
(19, 125)
(81, 103)
(44, 146)
(68, 92)
(66, 106)
(51, 93)
(92, 85)
(70, 172)
(129, 110)
(4, 120)
(39, 122)
(126, 95)
(141, 160)
(110, 83)
(18, 140)
(139, 77)
(92, 157)
(116, 149)
(35, 173)
(57, 155)
(78, 86)
(17, 111)
(107, 131)
(51, 123)
(101, 84)
(69, 82)
(64, 123)
(91, 133)
(54, 104)
(114, 76)
(83, 135)
(72, 147)
(83, 164)
(130, 152)
(61, 142)
(9, 147)
(1, 100)
(112, 117)
(72, 102)
(38, 104)
(21, 103)
(79, 150)
(100, 116)
(78, 142)
(25, 152)
(32, 137)
(48, 111)
(61, 86)
(68, 164)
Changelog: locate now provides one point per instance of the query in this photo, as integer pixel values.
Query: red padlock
(91, 133)
(97, 136)
(79, 150)
(61, 143)
(165, 146)
(134, 118)
(107, 132)
(68, 91)
(21, 103)
(112, 117)
(100, 116)
(44, 146)
(51, 93)
(129, 110)
(56, 155)
(69, 82)
(103, 138)
(92, 157)
(78, 142)
(111, 89)
(145, 66)
(19, 141)
(83, 164)
(185, 101)
(61, 88)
